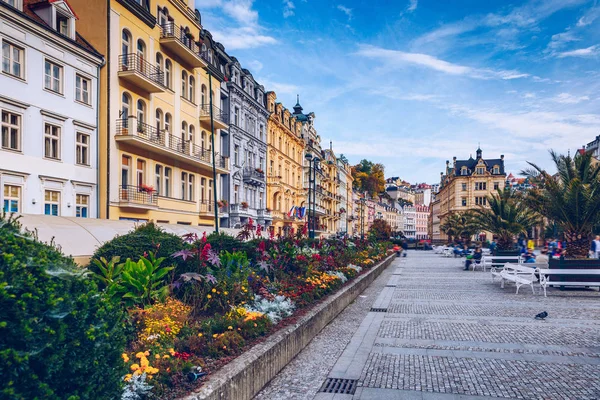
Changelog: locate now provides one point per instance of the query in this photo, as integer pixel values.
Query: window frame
(19, 148)
(85, 147)
(57, 138)
(9, 198)
(80, 206)
(61, 80)
(52, 202)
(83, 79)
(21, 49)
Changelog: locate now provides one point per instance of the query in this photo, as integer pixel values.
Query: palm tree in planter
(506, 217)
(460, 225)
(570, 198)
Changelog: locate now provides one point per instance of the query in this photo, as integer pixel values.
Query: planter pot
(574, 264)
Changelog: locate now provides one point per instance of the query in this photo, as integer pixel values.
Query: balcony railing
(262, 213)
(251, 174)
(161, 138)
(136, 63)
(171, 31)
(206, 206)
(218, 114)
(138, 195)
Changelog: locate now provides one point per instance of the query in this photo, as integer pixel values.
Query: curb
(245, 376)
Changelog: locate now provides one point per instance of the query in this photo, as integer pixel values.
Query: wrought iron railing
(251, 173)
(162, 138)
(135, 62)
(264, 213)
(171, 31)
(138, 195)
(218, 114)
(206, 206)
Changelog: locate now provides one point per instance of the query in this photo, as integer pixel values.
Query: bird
(542, 315)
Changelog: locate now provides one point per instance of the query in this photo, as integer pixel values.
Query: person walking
(404, 248)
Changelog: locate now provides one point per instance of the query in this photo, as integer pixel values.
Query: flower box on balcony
(244, 204)
(146, 189)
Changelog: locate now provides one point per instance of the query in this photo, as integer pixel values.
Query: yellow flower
(225, 293)
(230, 327)
(215, 335)
(166, 357)
(146, 353)
(157, 356)
(127, 377)
(134, 367)
(214, 290)
(200, 335)
(125, 357)
(144, 362)
(209, 296)
(139, 355)
(172, 351)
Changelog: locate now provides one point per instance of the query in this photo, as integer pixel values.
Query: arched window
(141, 111)
(168, 73)
(159, 61)
(168, 123)
(192, 89)
(210, 56)
(184, 81)
(159, 119)
(125, 106)
(203, 48)
(192, 134)
(184, 128)
(203, 140)
(203, 99)
(141, 49)
(125, 42)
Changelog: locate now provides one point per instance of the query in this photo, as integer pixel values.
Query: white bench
(448, 252)
(520, 274)
(546, 273)
(493, 262)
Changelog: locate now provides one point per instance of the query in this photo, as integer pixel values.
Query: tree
(460, 225)
(570, 198)
(403, 202)
(506, 217)
(380, 230)
(343, 158)
(369, 177)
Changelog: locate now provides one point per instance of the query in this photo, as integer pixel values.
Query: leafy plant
(276, 309)
(460, 225)
(380, 230)
(143, 282)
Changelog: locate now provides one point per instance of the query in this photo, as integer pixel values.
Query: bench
(546, 273)
(520, 274)
(493, 262)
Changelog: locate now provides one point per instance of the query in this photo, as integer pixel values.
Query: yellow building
(466, 186)
(155, 125)
(345, 195)
(285, 157)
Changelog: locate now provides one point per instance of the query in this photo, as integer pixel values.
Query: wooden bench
(498, 262)
(546, 273)
(520, 274)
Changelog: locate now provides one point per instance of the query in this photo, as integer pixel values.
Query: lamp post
(312, 165)
(362, 218)
(212, 142)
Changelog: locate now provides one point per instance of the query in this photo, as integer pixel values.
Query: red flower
(301, 258)
(262, 246)
(205, 250)
(316, 257)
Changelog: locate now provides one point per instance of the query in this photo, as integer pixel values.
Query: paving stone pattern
(450, 334)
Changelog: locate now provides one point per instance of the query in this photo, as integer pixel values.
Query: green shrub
(59, 337)
(147, 238)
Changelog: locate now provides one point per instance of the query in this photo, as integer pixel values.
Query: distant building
(593, 147)
(421, 221)
(410, 222)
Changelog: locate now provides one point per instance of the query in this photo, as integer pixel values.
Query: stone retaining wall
(245, 376)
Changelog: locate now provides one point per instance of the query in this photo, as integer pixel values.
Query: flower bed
(188, 313)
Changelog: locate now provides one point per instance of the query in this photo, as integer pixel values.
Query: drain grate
(375, 309)
(390, 285)
(337, 385)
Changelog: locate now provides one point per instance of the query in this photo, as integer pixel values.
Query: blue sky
(412, 83)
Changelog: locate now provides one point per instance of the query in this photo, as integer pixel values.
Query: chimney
(502, 156)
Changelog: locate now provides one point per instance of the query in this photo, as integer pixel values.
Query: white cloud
(241, 11)
(345, 10)
(586, 52)
(397, 57)
(589, 17)
(278, 87)
(567, 98)
(288, 8)
(242, 38)
(561, 39)
(255, 66)
(529, 96)
(412, 5)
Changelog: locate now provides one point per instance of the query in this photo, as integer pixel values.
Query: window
(125, 43)
(141, 50)
(203, 98)
(463, 201)
(192, 90)
(464, 171)
(236, 155)
(184, 82)
(480, 170)
(168, 123)
(496, 170)
(51, 202)
(83, 149)
(12, 59)
(167, 185)
(203, 140)
(12, 198)
(62, 24)
(125, 171)
(53, 74)
(184, 178)
(13, 3)
(202, 189)
(82, 89)
(168, 73)
(158, 119)
(260, 131)
(10, 125)
(140, 173)
(480, 201)
(190, 187)
(464, 187)
(236, 116)
(480, 186)
(496, 185)
(125, 107)
(141, 112)
(82, 203)
(158, 173)
(52, 141)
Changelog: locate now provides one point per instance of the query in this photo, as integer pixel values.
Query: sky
(413, 83)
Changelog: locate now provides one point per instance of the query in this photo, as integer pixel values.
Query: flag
(301, 212)
(292, 212)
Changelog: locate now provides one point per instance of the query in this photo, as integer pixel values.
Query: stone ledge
(245, 376)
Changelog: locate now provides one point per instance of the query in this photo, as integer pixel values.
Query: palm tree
(459, 225)
(570, 198)
(506, 217)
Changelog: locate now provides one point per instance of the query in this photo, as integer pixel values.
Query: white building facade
(410, 222)
(48, 112)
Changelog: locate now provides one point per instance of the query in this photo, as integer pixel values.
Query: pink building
(422, 221)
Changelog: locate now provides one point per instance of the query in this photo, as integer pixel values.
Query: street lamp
(312, 174)
(362, 218)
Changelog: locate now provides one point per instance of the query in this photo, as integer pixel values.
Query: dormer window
(480, 170)
(14, 3)
(496, 170)
(464, 171)
(62, 24)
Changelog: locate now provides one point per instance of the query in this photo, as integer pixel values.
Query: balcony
(253, 176)
(264, 214)
(139, 72)
(319, 210)
(138, 197)
(207, 208)
(160, 141)
(220, 117)
(242, 210)
(182, 45)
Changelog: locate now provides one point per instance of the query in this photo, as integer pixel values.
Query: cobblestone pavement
(450, 334)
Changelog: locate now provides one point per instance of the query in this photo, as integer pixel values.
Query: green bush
(146, 238)
(59, 337)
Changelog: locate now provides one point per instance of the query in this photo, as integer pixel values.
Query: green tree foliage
(60, 338)
(380, 230)
(570, 198)
(506, 217)
(460, 226)
(369, 177)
